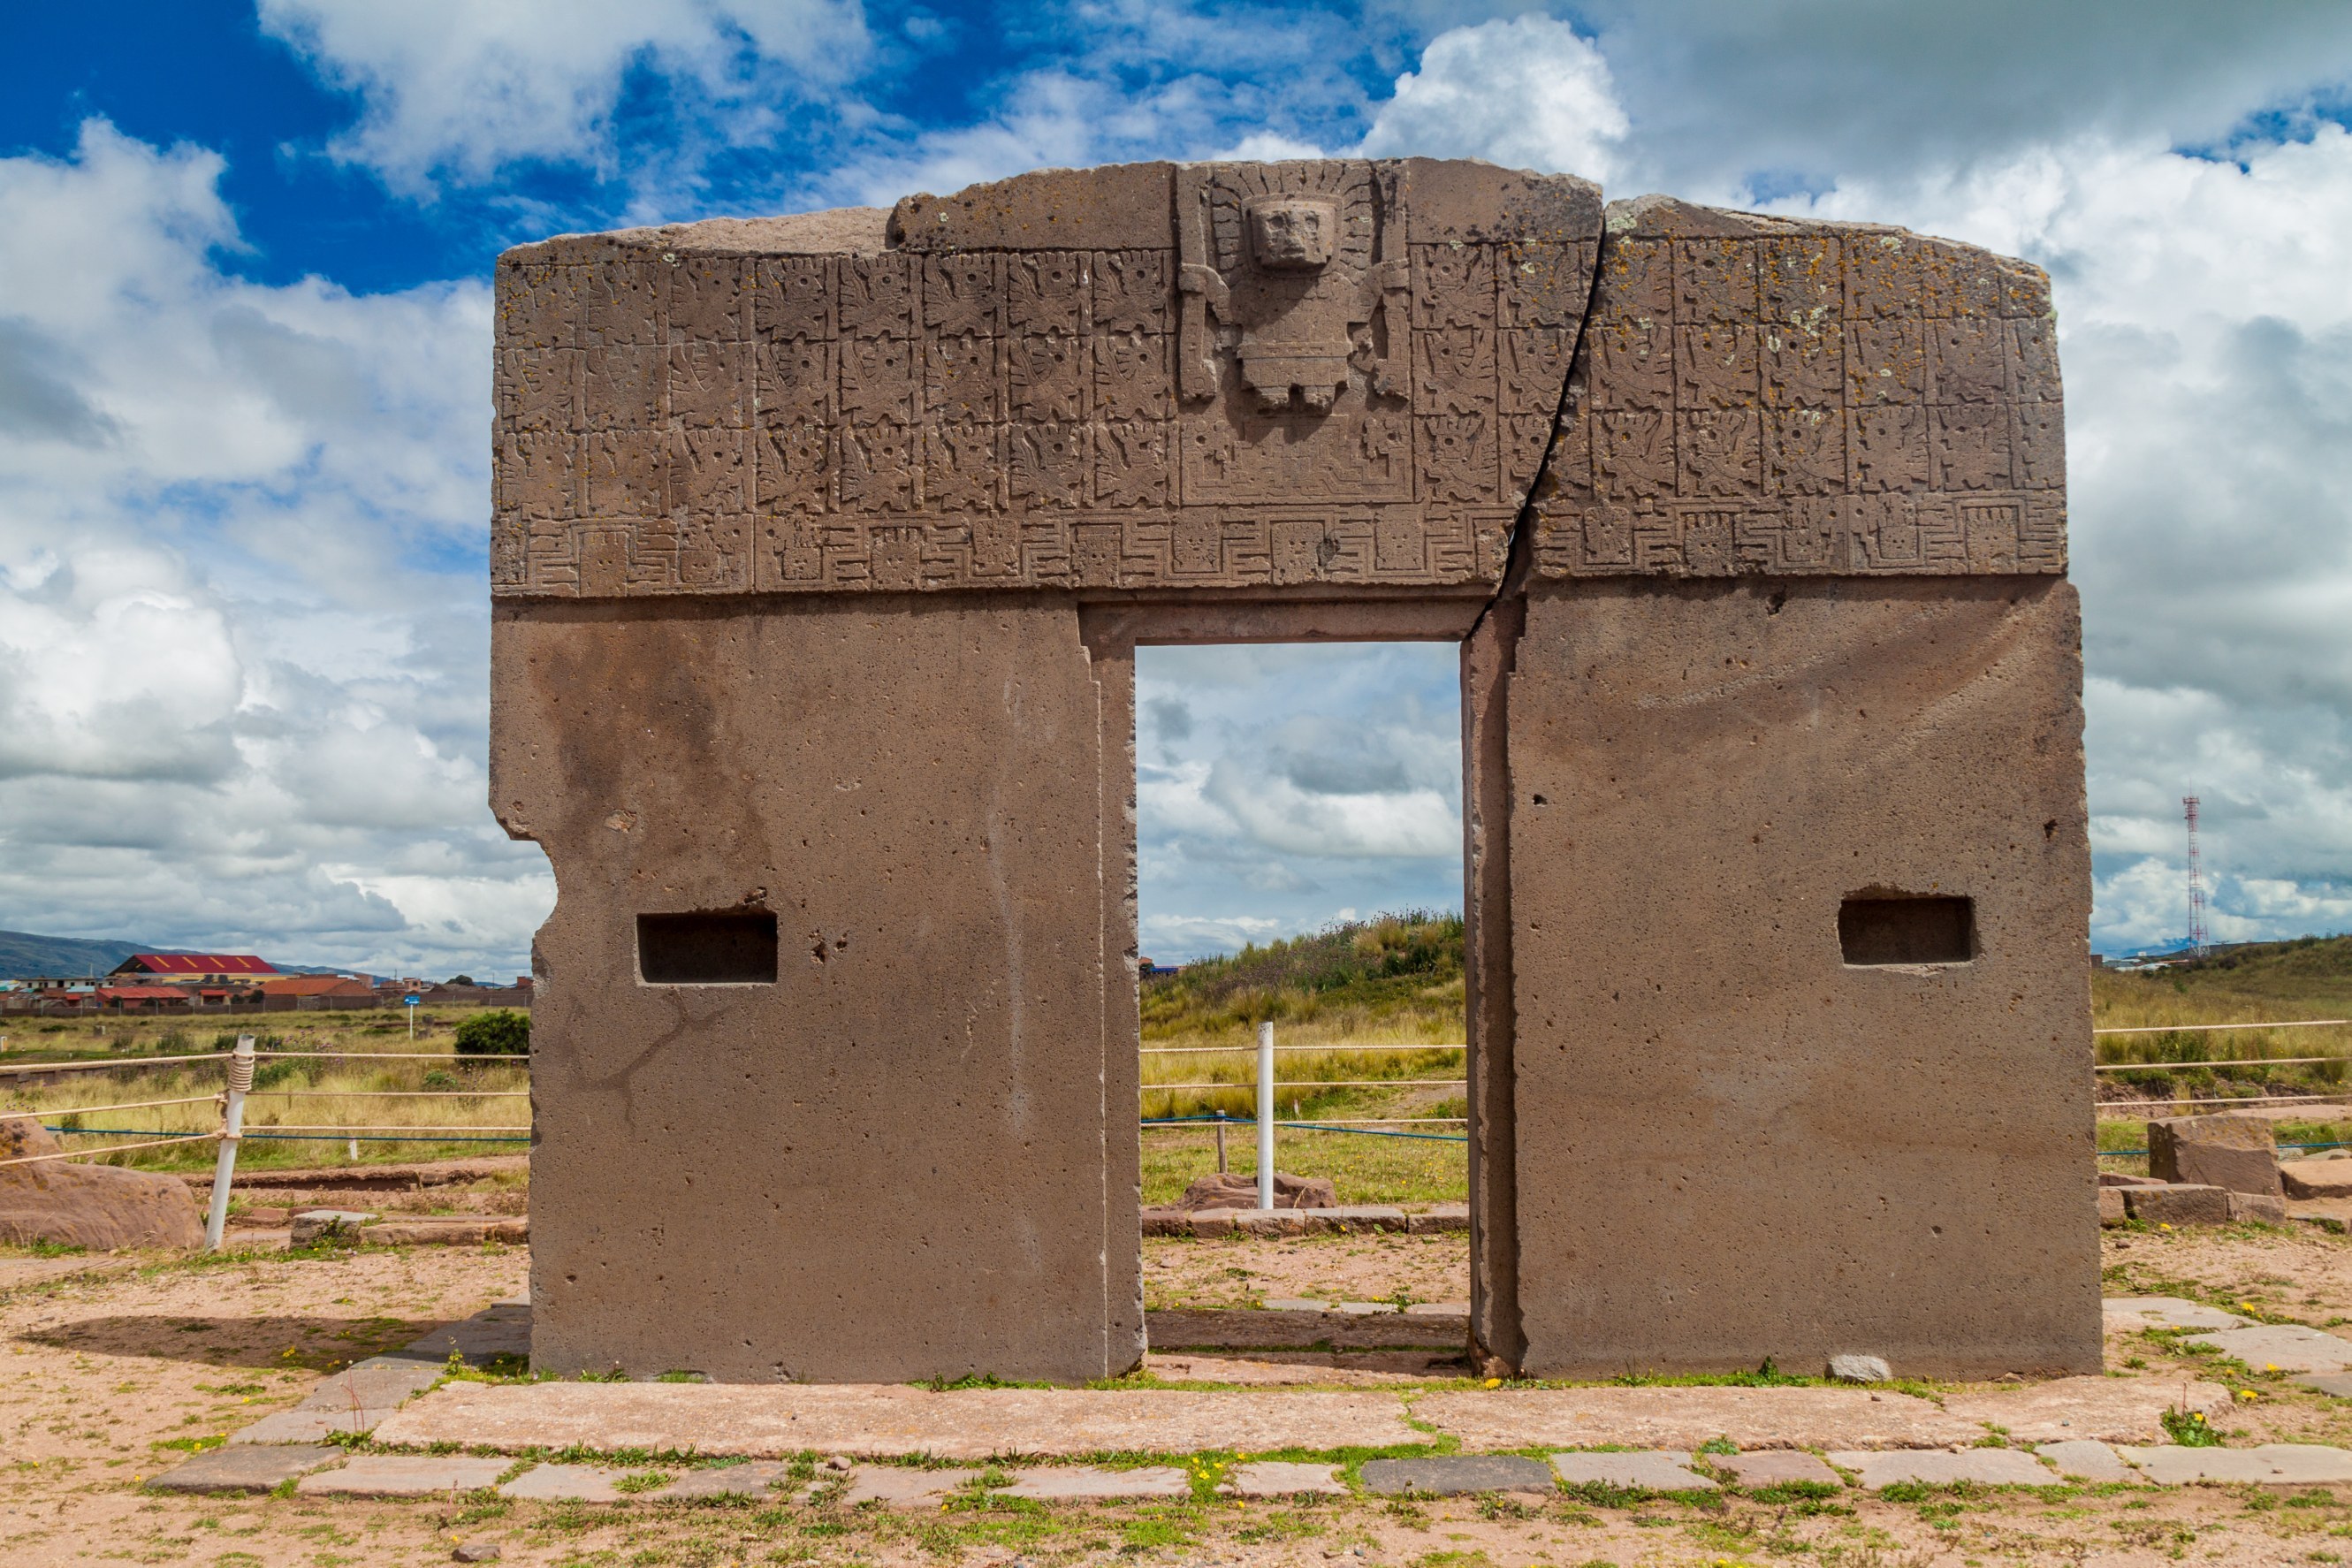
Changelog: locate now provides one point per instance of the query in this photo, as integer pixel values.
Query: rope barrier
(1325, 1083)
(117, 1149)
(127, 1105)
(1327, 1050)
(426, 1135)
(2209, 1028)
(117, 1065)
(392, 1094)
(2224, 1062)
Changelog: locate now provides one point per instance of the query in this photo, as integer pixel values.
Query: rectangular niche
(1880, 928)
(723, 947)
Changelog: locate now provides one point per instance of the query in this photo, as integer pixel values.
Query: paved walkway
(1613, 1438)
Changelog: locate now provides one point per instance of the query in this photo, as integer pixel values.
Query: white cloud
(228, 661)
(464, 88)
(1525, 93)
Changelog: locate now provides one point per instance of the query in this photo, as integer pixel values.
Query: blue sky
(244, 396)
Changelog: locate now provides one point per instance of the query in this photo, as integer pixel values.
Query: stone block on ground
(1268, 1329)
(2124, 1179)
(482, 1338)
(450, 1230)
(1354, 1219)
(752, 1480)
(404, 1475)
(1654, 1470)
(2237, 1152)
(1439, 1219)
(2129, 1312)
(250, 1469)
(2178, 1205)
(1233, 1190)
(2270, 1464)
(94, 1207)
(2082, 1460)
(352, 1401)
(2289, 1347)
(1940, 1467)
(2316, 1178)
(1167, 1221)
(1455, 1475)
(301, 1426)
(895, 1485)
(312, 1225)
(566, 1483)
(2338, 1384)
(1762, 1468)
(2111, 1206)
(1084, 1483)
(2257, 1208)
(1860, 1369)
(1278, 1479)
(1262, 1222)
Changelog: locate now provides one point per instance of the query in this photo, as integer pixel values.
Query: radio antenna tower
(2196, 882)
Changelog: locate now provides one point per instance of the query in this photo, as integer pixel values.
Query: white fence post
(240, 1083)
(1265, 1116)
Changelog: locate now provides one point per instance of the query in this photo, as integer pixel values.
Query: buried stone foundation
(822, 548)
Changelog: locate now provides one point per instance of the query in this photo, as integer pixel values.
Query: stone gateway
(822, 548)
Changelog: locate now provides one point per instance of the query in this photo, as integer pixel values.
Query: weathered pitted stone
(2178, 1205)
(95, 1206)
(838, 777)
(2237, 1152)
(1233, 1190)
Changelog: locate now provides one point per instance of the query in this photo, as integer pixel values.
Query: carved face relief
(1292, 234)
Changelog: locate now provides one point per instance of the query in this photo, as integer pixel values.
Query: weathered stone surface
(1231, 1190)
(2338, 1384)
(352, 1401)
(1758, 396)
(402, 1474)
(95, 1206)
(1680, 1417)
(1439, 1219)
(1080, 1483)
(1659, 1470)
(1454, 1474)
(2270, 1464)
(244, 1470)
(2257, 1208)
(565, 1483)
(1935, 1468)
(1831, 730)
(897, 1487)
(2079, 1459)
(2289, 1347)
(1860, 1369)
(2111, 1206)
(1280, 1479)
(501, 1331)
(753, 1479)
(1765, 1468)
(2316, 1178)
(2124, 1179)
(2178, 1205)
(1343, 1369)
(2238, 1152)
(2129, 1312)
(889, 1421)
(2111, 1409)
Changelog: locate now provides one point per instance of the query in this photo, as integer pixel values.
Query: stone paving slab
(2082, 1460)
(1455, 1475)
(1687, 1417)
(251, 1469)
(355, 1400)
(2338, 1383)
(1937, 1468)
(1083, 1483)
(2109, 1409)
(888, 1420)
(402, 1474)
(1358, 1368)
(2288, 1347)
(1244, 1329)
(565, 1483)
(2123, 1314)
(299, 1425)
(897, 1487)
(2271, 1464)
(1656, 1470)
(1775, 1468)
(1280, 1479)
(754, 1479)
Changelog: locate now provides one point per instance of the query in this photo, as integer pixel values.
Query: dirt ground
(115, 1370)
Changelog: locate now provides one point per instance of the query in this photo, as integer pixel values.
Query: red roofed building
(140, 998)
(194, 968)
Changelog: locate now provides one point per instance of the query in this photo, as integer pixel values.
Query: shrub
(501, 1032)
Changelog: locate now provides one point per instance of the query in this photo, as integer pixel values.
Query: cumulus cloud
(242, 631)
(456, 88)
(1526, 93)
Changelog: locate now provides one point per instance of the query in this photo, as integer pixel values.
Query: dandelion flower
(1493, 1382)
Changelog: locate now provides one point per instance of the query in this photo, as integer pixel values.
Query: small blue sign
(409, 1001)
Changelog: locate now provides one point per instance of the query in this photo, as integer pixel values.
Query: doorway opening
(1299, 863)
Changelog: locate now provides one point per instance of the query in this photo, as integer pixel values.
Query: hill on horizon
(24, 954)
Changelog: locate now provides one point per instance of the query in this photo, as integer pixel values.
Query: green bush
(501, 1032)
